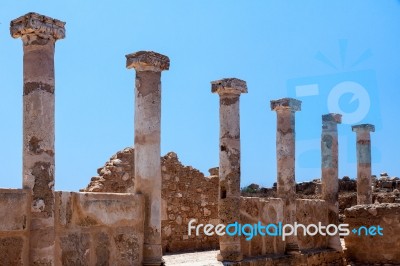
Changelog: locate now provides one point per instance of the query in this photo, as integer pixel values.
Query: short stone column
(39, 35)
(229, 91)
(364, 189)
(148, 66)
(285, 155)
(329, 172)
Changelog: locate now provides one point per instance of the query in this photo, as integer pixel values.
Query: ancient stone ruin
(140, 205)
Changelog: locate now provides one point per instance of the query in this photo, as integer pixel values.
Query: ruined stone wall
(374, 249)
(310, 211)
(116, 174)
(253, 210)
(98, 228)
(186, 194)
(15, 213)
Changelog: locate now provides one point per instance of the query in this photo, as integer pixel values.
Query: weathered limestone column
(39, 34)
(364, 189)
(329, 171)
(229, 91)
(285, 154)
(148, 66)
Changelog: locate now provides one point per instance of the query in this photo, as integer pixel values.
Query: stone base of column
(334, 243)
(158, 263)
(292, 249)
(152, 255)
(230, 252)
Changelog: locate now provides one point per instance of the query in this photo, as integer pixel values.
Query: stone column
(364, 189)
(148, 66)
(39, 34)
(329, 172)
(285, 154)
(229, 91)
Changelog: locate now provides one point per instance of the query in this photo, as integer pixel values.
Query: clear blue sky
(342, 54)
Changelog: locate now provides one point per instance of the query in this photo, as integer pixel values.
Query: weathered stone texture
(329, 171)
(147, 61)
(39, 35)
(15, 213)
(186, 194)
(14, 209)
(266, 211)
(116, 175)
(39, 25)
(376, 249)
(364, 184)
(229, 91)
(12, 251)
(285, 155)
(99, 228)
(311, 212)
(148, 66)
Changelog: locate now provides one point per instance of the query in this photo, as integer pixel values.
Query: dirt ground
(203, 258)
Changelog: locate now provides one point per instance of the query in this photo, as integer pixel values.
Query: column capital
(229, 86)
(33, 25)
(363, 128)
(286, 104)
(332, 117)
(147, 61)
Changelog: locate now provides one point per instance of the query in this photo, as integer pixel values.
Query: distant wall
(98, 228)
(374, 249)
(15, 209)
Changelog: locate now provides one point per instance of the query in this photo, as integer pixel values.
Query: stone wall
(15, 212)
(311, 212)
(98, 228)
(267, 211)
(116, 174)
(374, 249)
(187, 194)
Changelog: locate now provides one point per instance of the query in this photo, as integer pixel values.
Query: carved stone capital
(331, 117)
(37, 29)
(228, 86)
(147, 61)
(286, 104)
(363, 128)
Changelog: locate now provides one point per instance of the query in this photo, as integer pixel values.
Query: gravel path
(203, 258)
